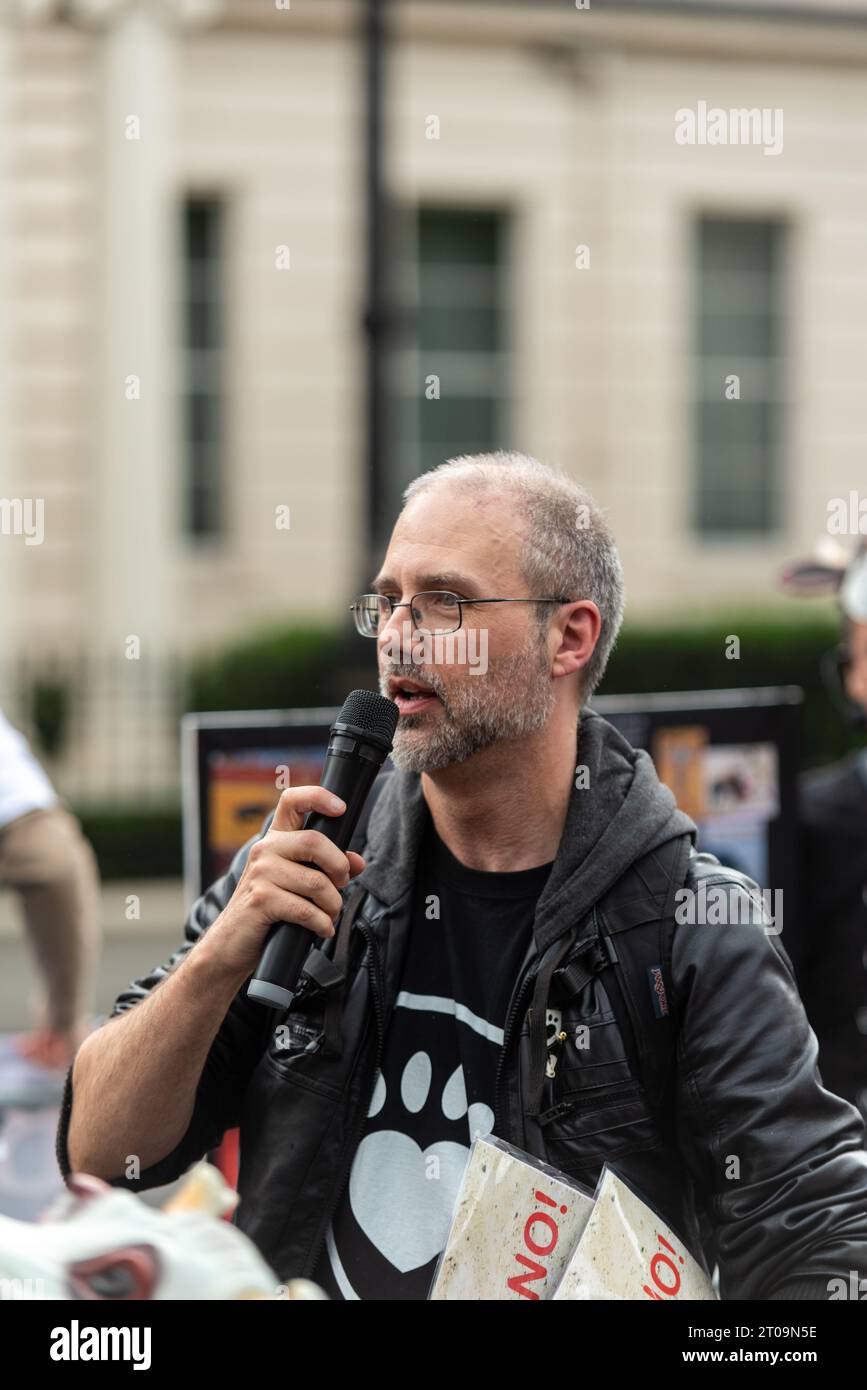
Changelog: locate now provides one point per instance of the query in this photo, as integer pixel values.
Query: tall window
(738, 376)
(202, 366)
(452, 382)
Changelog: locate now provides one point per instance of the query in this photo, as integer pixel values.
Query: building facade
(627, 237)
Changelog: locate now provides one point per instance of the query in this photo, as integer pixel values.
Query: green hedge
(134, 842)
(281, 667)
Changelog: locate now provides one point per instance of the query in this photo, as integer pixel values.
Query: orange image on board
(678, 754)
(242, 791)
(237, 810)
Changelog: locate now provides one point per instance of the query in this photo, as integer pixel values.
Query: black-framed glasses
(434, 611)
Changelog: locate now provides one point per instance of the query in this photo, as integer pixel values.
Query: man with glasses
(506, 959)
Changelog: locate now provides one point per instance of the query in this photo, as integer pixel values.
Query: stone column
(8, 484)
(137, 379)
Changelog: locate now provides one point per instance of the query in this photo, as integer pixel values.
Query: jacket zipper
(622, 1090)
(355, 1138)
(514, 1006)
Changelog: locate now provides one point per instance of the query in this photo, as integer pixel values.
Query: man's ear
(579, 626)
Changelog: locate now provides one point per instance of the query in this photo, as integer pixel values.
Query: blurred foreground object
(100, 1242)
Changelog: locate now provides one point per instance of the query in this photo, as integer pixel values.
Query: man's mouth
(410, 696)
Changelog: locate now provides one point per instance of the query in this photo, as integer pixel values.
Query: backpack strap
(327, 968)
(637, 919)
(629, 947)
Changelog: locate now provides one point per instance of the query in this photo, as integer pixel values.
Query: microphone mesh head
(371, 712)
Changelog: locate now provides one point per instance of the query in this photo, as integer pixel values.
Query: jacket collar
(394, 835)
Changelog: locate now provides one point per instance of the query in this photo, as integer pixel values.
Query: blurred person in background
(45, 858)
(831, 957)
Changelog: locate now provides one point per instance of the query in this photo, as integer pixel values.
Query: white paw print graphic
(391, 1174)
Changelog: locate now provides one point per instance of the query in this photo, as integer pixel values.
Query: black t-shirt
(469, 933)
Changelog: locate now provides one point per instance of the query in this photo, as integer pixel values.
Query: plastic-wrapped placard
(515, 1224)
(627, 1252)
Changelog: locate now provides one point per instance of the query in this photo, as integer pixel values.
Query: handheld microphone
(359, 742)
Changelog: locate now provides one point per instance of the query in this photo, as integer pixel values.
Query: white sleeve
(24, 785)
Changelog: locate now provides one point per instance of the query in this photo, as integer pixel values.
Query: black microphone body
(359, 742)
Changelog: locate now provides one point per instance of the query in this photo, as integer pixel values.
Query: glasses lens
(436, 612)
(371, 611)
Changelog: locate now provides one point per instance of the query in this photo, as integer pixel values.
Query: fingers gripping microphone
(359, 742)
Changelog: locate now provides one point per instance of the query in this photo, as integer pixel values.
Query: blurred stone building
(630, 238)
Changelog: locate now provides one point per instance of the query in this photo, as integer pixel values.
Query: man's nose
(396, 637)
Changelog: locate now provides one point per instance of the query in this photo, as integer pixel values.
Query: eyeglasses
(436, 611)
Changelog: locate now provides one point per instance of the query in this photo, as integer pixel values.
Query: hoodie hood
(622, 812)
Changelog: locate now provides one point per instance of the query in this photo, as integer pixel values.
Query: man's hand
(277, 886)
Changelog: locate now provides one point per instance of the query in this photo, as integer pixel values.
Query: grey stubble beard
(512, 700)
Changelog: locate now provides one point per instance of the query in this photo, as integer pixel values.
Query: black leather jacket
(773, 1158)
